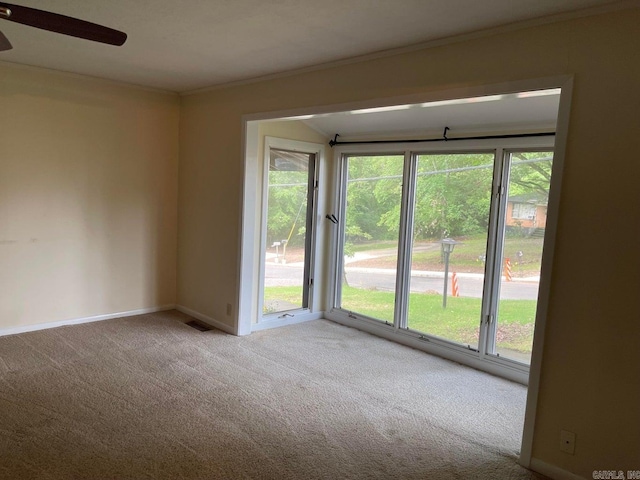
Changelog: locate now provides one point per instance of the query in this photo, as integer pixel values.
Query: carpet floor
(149, 397)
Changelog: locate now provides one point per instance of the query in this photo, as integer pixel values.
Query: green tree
(453, 193)
(374, 190)
(287, 201)
(531, 173)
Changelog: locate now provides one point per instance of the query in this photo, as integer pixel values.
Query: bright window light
(390, 108)
(463, 101)
(300, 117)
(539, 93)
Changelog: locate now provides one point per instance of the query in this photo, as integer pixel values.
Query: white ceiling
(188, 45)
(524, 112)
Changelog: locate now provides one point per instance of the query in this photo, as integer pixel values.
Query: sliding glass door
(445, 245)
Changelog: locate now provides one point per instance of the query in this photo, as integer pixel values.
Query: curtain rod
(444, 138)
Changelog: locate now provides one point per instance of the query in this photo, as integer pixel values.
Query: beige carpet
(149, 397)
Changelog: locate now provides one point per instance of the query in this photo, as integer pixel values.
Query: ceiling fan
(55, 22)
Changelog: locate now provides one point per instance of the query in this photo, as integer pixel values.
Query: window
(287, 254)
(426, 246)
(524, 211)
(290, 183)
(387, 272)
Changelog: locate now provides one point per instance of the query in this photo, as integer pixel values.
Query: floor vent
(199, 326)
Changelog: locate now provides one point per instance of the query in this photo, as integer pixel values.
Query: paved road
(470, 285)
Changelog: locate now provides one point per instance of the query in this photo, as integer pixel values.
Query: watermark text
(616, 475)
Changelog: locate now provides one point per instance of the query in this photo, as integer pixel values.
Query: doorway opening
(501, 239)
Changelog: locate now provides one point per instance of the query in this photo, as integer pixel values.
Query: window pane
(285, 258)
(526, 217)
(453, 195)
(372, 217)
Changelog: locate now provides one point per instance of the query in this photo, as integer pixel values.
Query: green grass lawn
(458, 322)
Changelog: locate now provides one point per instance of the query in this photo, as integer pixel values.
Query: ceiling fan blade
(55, 22)
(5, 44)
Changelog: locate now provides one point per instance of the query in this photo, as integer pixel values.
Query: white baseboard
(206, 319)
(77, 321)
(551, 471)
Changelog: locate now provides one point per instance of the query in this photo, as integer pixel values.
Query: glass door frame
(398, 330)
(313, 304)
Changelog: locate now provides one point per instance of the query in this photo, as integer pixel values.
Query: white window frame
(479, 358)
(314, 310)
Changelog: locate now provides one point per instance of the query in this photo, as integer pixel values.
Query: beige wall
(591, 368)
(88, 197)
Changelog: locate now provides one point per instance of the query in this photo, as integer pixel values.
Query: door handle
(332, 218)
